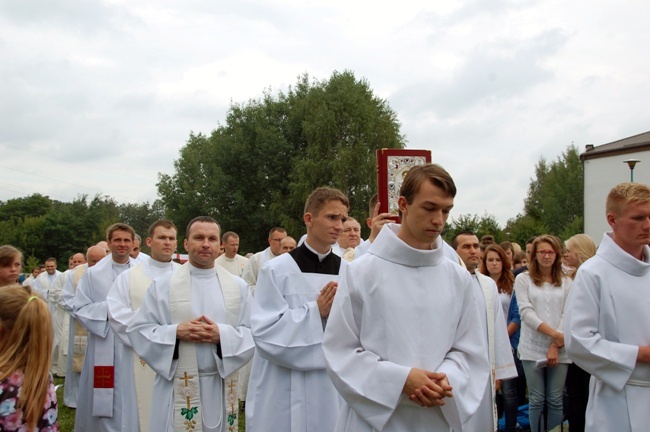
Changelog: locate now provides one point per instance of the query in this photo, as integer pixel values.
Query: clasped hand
(427, 388)
(199, 330)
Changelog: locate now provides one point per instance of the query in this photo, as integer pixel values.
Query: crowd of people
(397, 332)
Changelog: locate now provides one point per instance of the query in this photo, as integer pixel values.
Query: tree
(486, 224)
(255, 171)
(555, 197)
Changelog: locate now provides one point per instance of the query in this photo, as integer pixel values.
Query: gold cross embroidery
(186, 378)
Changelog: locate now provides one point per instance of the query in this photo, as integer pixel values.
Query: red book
(392, 166)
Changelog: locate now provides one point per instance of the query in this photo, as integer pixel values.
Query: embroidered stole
(348, 254)
(139, 283)
(187, 395)
(488, 293)
(80, 341)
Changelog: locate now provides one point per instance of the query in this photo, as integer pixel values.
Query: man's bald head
(78, 259)
(95, 254)
(103, 244)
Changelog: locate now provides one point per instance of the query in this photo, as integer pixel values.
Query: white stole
(143, 375)
(80, 342)
(187, 394)
(488, 294)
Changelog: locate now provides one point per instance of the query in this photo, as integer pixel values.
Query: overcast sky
(99, 96)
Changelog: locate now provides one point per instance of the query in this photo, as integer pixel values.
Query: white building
(604, 167)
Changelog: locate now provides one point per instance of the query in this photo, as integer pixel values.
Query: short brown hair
(431, 172)
(167, 224)
(227, 235)
(119, 227)
(322, 195)
(625, 193)
(207, 219)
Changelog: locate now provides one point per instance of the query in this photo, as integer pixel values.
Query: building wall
(601, 175)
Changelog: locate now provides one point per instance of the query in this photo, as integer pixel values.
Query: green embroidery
(231, 419)
(189, 415)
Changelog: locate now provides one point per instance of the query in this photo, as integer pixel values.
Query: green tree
(486, 224)
(255, 171)
(555, 197)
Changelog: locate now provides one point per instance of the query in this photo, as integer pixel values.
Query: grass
(66, 415)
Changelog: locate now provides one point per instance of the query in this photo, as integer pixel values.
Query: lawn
(66, 415)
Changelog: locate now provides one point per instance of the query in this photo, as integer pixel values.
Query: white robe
(250, 275)
(153, 336)
(120, 314)
(91, 310)
(61, 322)
(254, 265)
(234, 265)
(504, 363)
(71, 384)
(289, 390)
(397, 308)
(607, 318)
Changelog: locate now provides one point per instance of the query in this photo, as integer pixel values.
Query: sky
(98, 97)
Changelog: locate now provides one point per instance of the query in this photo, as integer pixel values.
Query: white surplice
(71, 384)
(289, 389)
(91, 309)
(61, 323)
(235, 265)
(607, 318)
(250, 274)
(399, 308)
(503, 363)
(153, 336)
(254, 265)
(120, 313)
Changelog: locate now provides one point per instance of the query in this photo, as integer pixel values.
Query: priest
(102, 404)
(193, 330)
(77, 334)
(289, 389)
(606, 321)
(404, 344)
(124, 299)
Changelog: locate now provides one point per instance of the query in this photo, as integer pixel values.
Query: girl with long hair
(541, 293)
(10, 264)
(27, 394)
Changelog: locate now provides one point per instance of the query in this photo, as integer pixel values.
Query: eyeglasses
(545, 253)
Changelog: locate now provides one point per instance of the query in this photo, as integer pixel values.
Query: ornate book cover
(392, 166)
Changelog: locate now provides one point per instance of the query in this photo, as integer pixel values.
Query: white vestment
(91, 309)
(43, 283)
(61, 323)
(142, 257)
(120, 313)
(399, 308)
(502, 362)
(254, 265)
(250, 275)
(607, 318)
(153, 336)
(234, 265)
(289, 390)
(71, 385)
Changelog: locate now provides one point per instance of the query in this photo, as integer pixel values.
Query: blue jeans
(555, 378)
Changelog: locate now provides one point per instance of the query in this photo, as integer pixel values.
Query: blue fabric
(513, 316)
